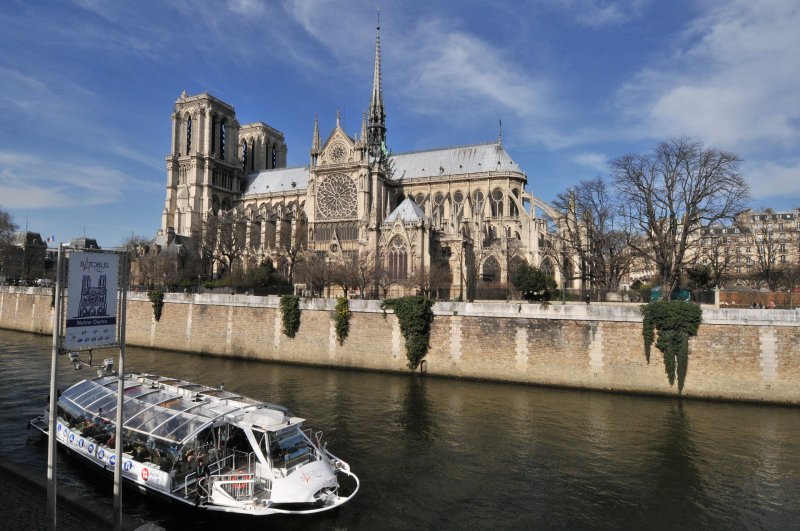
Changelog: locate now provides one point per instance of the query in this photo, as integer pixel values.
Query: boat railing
(240, 487)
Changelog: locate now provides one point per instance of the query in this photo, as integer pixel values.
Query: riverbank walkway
(25, 505)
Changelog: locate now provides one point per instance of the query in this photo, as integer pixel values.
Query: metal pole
(51, 430)
(123, 288)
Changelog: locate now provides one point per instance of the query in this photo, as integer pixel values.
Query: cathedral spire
(315, 139)
(377, 115)
(364, 127)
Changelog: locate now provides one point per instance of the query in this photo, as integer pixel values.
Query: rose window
(336, 198)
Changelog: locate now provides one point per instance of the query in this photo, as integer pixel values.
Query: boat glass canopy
(152, 410)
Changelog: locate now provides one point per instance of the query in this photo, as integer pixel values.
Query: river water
(437, 453)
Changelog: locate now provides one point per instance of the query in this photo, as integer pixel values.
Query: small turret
(315, 142)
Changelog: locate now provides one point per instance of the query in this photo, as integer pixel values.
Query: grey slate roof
(279, 180)
(408, 210)
(476, 158)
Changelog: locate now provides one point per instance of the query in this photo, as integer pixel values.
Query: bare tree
(669, 195)
(313, 270)
(717, 254)
(771, 244)
(428, 280)
(224, 239)
(7, 229)
(592, 232)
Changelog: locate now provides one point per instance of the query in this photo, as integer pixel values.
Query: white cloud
(33, 181)
(733, 82)
(595, 161)
(771, 179)
(600, 13)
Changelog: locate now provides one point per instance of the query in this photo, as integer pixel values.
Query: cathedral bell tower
(204, 171)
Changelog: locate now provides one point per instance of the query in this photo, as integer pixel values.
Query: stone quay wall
(738, 354)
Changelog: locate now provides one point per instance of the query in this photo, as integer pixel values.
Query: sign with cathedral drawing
(92, 300)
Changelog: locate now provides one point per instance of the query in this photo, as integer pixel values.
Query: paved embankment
(25, 504)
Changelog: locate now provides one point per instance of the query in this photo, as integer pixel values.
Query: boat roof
(172, 409)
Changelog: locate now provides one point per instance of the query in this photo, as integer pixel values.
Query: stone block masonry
(745, 354)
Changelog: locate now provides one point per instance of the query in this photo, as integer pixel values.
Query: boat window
(106, 403)
(87, 398)
(77, 390)
(150, 419)
(186, 429)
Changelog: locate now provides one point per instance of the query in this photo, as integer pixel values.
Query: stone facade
(461, 211)
(743, 354)
(24, 258)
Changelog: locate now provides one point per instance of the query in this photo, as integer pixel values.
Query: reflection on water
(435, 453)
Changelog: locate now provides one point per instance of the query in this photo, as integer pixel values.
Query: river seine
(443, 454)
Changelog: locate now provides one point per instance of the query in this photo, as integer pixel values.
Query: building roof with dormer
(276, 181)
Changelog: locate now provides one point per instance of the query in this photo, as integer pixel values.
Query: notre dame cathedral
(462, 211)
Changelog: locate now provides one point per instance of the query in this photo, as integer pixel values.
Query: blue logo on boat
(90, 448)
(101, 453)
(58, 428)
(127, 465)
(71, 437)
(81, 443)
(112, 459)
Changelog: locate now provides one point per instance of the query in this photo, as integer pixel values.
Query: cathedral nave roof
(459, 160)
(278, 180)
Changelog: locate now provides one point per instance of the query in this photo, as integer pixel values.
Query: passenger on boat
(202, 469)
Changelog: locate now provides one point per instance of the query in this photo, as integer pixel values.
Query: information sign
(92, 300)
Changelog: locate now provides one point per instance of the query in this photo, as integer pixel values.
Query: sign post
(58, 305)
(123, 289)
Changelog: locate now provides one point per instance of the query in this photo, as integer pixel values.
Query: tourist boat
(203, 446)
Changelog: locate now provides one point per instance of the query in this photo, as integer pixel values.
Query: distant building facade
(462, 211)
(24, 259)
(758, 243)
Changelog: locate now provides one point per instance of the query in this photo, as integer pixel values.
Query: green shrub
(290, 312)
(675, 321)
(156, 296)
(415, 316)
(343, 314)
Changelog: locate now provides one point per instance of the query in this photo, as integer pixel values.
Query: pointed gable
(407, 211)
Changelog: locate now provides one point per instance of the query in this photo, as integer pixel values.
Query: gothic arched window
(222, 127)
(512, 205)
(398, 258)
(213, 133)
(478, 200)
(188, 135)
(497, 202)
(274, 156)
(252, 155)
(438, 208)
(420, 199)
(244, 155)
(491, 269)
(458, 204)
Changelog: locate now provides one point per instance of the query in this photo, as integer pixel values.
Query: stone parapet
(741, 354)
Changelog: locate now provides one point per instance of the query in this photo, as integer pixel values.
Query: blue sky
(87, 88)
